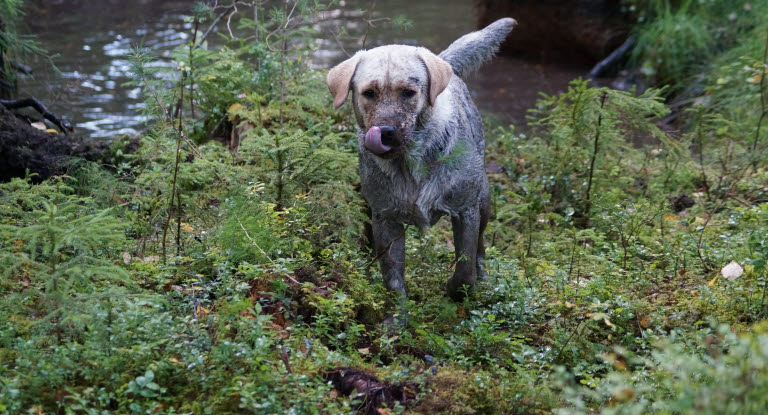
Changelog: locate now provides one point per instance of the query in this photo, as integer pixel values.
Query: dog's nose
(388, 136)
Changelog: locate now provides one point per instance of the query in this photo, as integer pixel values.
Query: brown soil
(23, 147)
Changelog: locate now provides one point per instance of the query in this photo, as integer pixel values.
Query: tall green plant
(595, 127)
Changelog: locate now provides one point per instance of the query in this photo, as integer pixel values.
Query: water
(90, 39)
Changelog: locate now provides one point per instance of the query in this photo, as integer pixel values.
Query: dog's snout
(380, 139)
(388, 135)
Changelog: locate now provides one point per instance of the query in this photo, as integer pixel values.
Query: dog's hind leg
(485, 213)
(466, 230)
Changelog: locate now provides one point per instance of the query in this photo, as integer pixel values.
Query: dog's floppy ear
(339, 79)
(439, 72)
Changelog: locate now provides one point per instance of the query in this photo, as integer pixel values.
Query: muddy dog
(421, 146)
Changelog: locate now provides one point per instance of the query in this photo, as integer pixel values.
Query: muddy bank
(25, 148)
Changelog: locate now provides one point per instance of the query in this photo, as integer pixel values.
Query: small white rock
(732, 271)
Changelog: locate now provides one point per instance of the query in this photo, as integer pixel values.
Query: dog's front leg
(389, 244)
(466, 231)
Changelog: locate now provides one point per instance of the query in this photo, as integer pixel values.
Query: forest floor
(627, 262)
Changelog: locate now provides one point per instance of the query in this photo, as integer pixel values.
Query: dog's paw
(481, 274)
(457, 289)
(394, 323)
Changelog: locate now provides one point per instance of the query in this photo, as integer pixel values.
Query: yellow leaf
(608, 323)
(51, 130)
(232, 108)
(712, 283)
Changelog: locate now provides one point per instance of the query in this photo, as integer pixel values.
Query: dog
(421, 147)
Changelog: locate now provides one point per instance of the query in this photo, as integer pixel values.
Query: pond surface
(89, 40)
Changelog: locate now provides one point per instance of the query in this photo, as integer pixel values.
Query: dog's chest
(402, 197)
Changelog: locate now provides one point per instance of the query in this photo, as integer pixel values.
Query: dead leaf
(645, 322)
(364, 350)
(126, 257)
(39, 125)
(202, 311)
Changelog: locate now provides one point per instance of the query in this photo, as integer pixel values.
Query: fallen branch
(60, 122)
(612, 59)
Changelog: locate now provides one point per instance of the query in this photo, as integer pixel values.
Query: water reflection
(91, 39)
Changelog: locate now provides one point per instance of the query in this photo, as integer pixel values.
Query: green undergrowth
(192, 277)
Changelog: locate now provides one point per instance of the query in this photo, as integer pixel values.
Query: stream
(92, 87)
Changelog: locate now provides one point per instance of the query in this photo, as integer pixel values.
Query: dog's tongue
(373, 141)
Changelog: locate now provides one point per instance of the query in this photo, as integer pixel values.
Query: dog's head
(393, 87)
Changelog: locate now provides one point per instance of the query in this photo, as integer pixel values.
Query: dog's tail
(472, 50)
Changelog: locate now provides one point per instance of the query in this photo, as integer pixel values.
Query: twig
(169, 117)
(701, 235)
(338, 42)
(588, 206)
(368, 23)
(191, 70)
(20, 67)
(762, 100)
(178, 223)
(251, 239)
(216, 21)
(740, 200)
(175, 175)
(612, 59)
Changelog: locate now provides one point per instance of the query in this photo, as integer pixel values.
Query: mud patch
(368, 392)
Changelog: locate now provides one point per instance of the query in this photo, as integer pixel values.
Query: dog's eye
(368, 93)
(408, 93)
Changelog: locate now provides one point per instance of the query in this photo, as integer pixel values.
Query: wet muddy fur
(421, 146)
